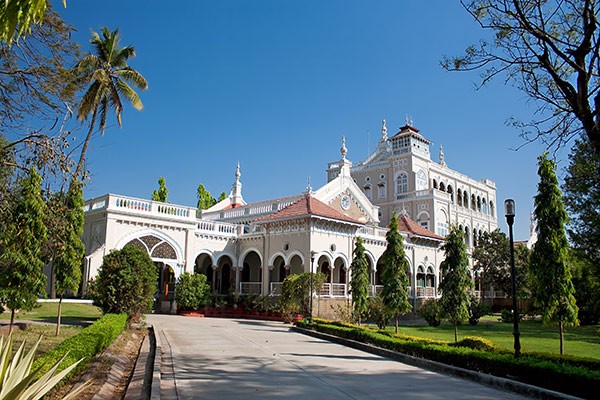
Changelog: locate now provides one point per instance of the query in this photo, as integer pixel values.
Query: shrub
(191, 291)
(378, 312)
(85, 345)
(344, 313)
(476, 343)
(477, 310)
(295, 292)
(126, 282)
(507, 316)
(430, 311)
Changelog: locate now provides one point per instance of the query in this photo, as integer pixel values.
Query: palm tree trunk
(560, 329)
(58, 318)
(85, 146)
(12, 321)
(396, 321)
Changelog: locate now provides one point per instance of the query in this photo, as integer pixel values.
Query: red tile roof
(307, 206)
(413, 131)
(409, 226)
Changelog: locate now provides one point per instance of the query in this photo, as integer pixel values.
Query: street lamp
(509, 212)
(312, 261)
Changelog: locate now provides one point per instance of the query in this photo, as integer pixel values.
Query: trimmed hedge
(564, 374)
(86, 344)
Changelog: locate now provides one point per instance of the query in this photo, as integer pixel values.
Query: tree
(587, 288)
(395, 282)
(191, 291)
(109, 77)
(548, 50)
(296, 292)
(35, 89)
(553, 290)
(126, 282)
(359, 285)
(16, 17)
(581, 194)
(205, 200)
(68, 247)
(21, 276)
(162, 192)
(455, 279)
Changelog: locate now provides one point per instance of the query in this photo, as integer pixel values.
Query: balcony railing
(333, 290)
(250, 287)
(275, 289)
(426, 291)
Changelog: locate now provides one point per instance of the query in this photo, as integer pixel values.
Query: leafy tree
(17, 16)
(191, 291)
(205, 200)
(548, 49)
(395, 282)
(35, 86)
(359, 285)
(162, 192)
(582, 200)
(295, 293)
(587, 288)
(553, 290)
(69, 249)
(455, 279)
(109, 77)
(21, 277)
(126, 282)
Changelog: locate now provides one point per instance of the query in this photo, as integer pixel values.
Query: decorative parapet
(132, 205)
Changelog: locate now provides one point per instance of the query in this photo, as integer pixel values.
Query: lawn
(583, 341)
(49, 339)
(71, 313)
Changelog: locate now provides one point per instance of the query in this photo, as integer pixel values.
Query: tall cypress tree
(21, 276)
(359, 285)
(395, 281)
(455, 279)
(553, 290)
(69, 249)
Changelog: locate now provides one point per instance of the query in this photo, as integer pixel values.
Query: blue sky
(275, 84)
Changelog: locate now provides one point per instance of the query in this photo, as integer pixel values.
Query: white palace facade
(250, 248)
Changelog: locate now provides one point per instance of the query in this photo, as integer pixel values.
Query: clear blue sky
(275, 84)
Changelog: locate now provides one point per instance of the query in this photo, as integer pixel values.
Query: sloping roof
(409, 226)
(407, 129)
(307, 206)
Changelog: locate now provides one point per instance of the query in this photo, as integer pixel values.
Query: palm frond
(131, 76)
(121, 55)
(116, 101)
(130, 94)
(88, 101)
(103, 111)
(86, 65)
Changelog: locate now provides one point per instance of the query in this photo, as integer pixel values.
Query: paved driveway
(222, 359)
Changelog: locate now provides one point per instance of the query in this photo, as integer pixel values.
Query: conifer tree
(395, 281)
(360, 280)
(553, 290)
(21, 276)
(70, 249)
(455, 279)
(162, 192)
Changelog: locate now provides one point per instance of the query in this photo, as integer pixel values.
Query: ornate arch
(152, 240)
(344, 258)
(245, 253)
(210, 253)
(292, 254)
(274, 256)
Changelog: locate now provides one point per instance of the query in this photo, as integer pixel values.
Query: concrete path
(224, 359)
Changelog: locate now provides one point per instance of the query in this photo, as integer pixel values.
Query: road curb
(141, 378)
(484, 379)
(155, 388)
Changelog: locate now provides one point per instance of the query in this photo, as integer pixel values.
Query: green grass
(49, 340)
(71, 312)
(583, 341)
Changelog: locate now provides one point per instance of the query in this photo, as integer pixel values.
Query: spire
(442, 162)
(237, 172)
(343, 150)
(236, 189)
(308, 187)
(383, 131)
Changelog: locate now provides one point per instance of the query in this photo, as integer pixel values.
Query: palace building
(249, 248)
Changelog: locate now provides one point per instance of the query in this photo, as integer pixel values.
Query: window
(402, 183)
(492, 208)
(381, 190)
(424, 224)
(421, 180)
(368, 191)
(442, 229)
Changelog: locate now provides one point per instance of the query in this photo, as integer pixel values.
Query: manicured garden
(583, 341)
(47, 312)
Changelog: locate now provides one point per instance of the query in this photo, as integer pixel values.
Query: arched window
(402, 183)
(478, 203)
(381, 190)
(473, 202)
(465, 199)
(421, 180)
(368, 193)
(467, 237)
(492, 208)
(435, 185)
(442, 225)
(442, 187)
(459, 197)
(451, 193)
(483, 206)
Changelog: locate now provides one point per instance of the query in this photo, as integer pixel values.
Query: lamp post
(509, 212)
(312, 261)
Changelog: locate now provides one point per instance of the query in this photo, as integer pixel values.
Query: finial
(343, 150)
(442, 162)
(406, 118)
(383, 131)
(237, 172)
(308, 188)
(411, 121)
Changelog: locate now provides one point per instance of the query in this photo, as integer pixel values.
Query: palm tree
(109, 75)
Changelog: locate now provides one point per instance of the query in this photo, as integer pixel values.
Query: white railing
(374, 290)
(333, 290)
(250, 209)
(140, 206)
(276, 288)
(250, 287)
(426, 291)
(221, 228)
(373, 232)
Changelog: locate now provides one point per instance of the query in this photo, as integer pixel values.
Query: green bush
(476, 343)
(378, 312)
(191, 291)
(295, 293)
(430, 311)
(86, 344)
(507, 316)
(477, 310)
(572, 375)
(126, 283)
